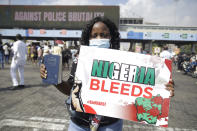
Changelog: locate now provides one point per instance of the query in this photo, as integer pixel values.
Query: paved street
(40, 107)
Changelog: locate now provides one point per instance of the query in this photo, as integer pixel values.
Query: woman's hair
(115, 35)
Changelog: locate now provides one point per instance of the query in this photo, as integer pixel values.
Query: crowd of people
(5, 53)
(186, 62)
(36, 52)
(16, 55)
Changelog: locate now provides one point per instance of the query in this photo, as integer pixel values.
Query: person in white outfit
(18, 61)
(165, 53)
(45, 49)
(6, 49)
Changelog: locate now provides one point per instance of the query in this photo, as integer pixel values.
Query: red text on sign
(121, 88)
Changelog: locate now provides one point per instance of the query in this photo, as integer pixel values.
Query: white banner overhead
(68, 33)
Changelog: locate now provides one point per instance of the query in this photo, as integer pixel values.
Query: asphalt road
(40, 107)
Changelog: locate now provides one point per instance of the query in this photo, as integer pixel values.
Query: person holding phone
(102, 33)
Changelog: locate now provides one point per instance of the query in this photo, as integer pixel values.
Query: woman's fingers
(170, 88)
(43, 71)
(75, 90)
(171, 93)
(75, 100)
(171, 81)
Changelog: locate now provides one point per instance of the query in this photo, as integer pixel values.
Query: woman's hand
(75, 99)
(43, 71)
(170, 87)
(63, 87)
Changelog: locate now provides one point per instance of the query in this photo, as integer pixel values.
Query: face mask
(100, 43)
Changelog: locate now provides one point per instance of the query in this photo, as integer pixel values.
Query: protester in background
(6, 49)
(56, 50)
(18, 61)
(29, 52)
(193, 62)
(1, 54)
(180, 60)
(75, 57)
(175, 59)
(66, 55)
(50, 49)
(34, 54)
(73, 52)
(101, 33)
(40, 55)
(45, 49)
(165, 53)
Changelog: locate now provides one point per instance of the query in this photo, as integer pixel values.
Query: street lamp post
(175, 11)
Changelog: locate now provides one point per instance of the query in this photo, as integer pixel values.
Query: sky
(164, 12)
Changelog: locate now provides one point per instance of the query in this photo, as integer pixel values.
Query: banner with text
(124, 85)
(54, 17)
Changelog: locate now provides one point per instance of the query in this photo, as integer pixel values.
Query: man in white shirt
(45, 49)
(165, 53)
(18, 61)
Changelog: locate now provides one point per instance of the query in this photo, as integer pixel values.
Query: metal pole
(176, 1)
(151, 47)
(193, 48)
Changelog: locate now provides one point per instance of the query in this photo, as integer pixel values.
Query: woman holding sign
(101, 33)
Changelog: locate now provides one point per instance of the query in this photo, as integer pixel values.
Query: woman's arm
(64, 87)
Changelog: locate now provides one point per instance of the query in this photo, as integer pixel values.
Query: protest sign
(124, 85)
